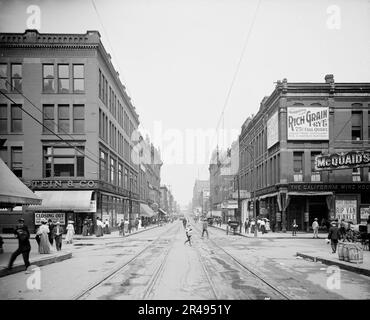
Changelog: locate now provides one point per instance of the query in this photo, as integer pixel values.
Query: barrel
(345, 251)
(355, 253)
(341, 250)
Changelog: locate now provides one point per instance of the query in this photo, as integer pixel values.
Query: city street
(156, 264)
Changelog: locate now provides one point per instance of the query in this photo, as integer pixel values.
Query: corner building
(278, 147)
(68, 83)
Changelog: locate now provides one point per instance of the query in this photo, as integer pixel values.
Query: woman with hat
(70, 232)
(43, 232)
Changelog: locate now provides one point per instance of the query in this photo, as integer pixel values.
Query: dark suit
(57, 234)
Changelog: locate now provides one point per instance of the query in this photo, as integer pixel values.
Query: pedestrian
(58, 236)
(246, 223)
(253, 225)
(99, 227)
(205, 226)
(294, 228)
(50, 234)
(136, 224)
(122, 228)
(315, 227)
(85, 228)
(70, 232)
(188, 232)
(90, 227)
(263, 226)
(342, 229)
(184, 223)
(106, 227)
(1, 245)
(334, 236)
(24, 246)
(43, 232)
(129, 227)
(267, 226)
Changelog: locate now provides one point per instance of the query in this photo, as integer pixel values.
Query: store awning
(64, 200)
(13, 191)
(164, 213)
(216, 213)
(146, 211)
(310, 193)
(268, 195)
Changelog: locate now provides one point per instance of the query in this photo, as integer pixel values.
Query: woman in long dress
(99, 227)
(70, 232)
(43, 232)
(85, 228)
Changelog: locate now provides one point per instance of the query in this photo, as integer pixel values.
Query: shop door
(319, 210)
(295, 211)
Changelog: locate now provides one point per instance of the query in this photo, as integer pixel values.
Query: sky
(197, 67)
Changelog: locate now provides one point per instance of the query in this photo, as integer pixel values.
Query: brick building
(279, 145)
(68, 83)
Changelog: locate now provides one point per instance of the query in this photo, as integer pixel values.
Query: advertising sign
(364, 214)
(55, 217)
(343, 160)
(346, 209)
(273, 130)
(308, 123)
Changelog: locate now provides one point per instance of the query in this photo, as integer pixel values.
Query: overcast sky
(178, 58)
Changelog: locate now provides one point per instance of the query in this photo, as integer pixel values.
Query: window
(48, 78)
(113, 171)
(3, 76)
(125, 182)
(63, 78)
(356, 125)
(103, 172)
(298, 166)
(3, 118)
(368, 124)
(100, 85)
(48, 121)
(356, 175)
(120, 175)
(78, 78)
(63, 162)
(63, 118)
(17, 161)
(315, 175)
(4, 154)
(16, 77)
(16, 118)
(78, 118)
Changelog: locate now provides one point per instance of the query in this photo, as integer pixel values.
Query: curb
(38, 262)
(355, 269)
(266, 238)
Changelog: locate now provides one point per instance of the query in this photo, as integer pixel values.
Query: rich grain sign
(344, 160)
(308, 123)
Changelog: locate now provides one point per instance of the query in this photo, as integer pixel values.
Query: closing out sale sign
(308, 123)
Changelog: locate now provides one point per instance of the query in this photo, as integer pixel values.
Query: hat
(20, 220)
(43, 220)
(315, 218)
(333, 223)
(70, 221)
(58, 222)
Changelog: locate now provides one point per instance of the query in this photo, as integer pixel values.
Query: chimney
(329, 78)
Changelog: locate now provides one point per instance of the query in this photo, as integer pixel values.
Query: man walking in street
(334, 236)
(315, 227)
(24, 246)
(188, 232)
(57, 234)
(122, 228)
(205, 226)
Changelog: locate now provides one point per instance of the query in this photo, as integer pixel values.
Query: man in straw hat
(57, 235)
(315, 227)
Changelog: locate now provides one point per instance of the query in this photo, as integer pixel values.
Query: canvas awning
(146, 211)
(64, 200)
(310, 193)
(162, 212)
(13, 191)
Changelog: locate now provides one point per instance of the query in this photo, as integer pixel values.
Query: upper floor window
(356, 125)
(63, 78)
(16, 74)
(78, 78)
(78, 118)
(3, 118)
(315, 175)
(48, 118)
(103, 172)
(298, 166)
(3, 76)
(63, 118)
(113, 170)
(4, 154)
(16, 118)
(17, 161)
(48, 78)
(356, 174)
(63, 162)
(120, 175)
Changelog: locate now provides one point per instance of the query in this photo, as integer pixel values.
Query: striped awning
(162, 212)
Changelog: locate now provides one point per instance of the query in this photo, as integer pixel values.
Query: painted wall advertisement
(273, 130)
(346, 209)
(308, 123)
(55, 217)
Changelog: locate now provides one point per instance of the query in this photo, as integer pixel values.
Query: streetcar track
(270, 285)
(111, 274)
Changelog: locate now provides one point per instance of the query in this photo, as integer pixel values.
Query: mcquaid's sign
(342, 160)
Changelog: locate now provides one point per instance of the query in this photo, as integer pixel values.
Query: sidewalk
(272, 235)
(326, 257)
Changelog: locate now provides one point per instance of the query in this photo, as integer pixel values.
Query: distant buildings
(200, 196)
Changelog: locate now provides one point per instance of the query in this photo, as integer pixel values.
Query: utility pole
(250, 150)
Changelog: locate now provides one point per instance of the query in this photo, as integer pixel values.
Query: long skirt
(69, 236)
(106, 230)
(44, 246)
(85, 230)
(99, 231)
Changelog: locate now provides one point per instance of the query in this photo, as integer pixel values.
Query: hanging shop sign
(55, 217)
(346, 209)
(343, 160)
(272, 130)
(311, 123)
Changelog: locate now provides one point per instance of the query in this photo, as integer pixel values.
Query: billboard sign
(343, 160)
(346, 209)
(308, 123)
(54, 216)
(272, 130)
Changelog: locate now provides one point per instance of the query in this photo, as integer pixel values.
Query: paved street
(156, 264)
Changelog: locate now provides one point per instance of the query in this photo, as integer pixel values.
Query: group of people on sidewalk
(262, 225)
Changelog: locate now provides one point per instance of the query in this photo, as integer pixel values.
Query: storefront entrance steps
(274, 235)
